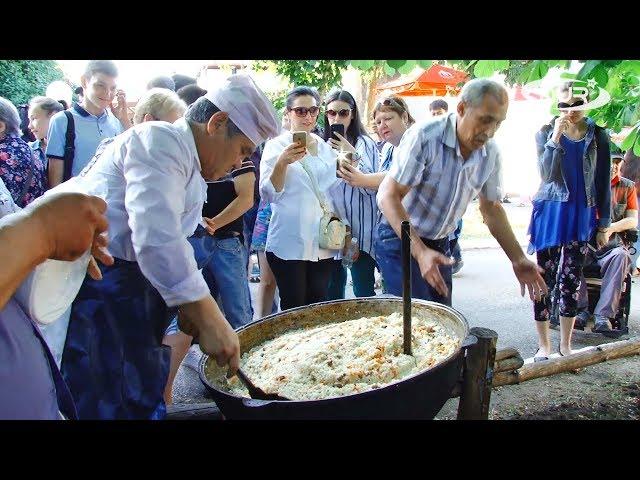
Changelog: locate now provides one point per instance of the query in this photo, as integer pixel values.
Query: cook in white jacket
(154, 176)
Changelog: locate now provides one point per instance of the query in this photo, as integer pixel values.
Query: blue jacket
(596, 170)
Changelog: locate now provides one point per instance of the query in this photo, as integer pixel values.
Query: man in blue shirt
(94, 120)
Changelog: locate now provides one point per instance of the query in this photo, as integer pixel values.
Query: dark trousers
(362, 274)
(300, 282)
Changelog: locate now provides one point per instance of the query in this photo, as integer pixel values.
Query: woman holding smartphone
(289, 170)
(344, 132)
(573, 199)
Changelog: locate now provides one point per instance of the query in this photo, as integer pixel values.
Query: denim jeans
(226, 275)
(224, 268)
(362, 274)
(389, 258)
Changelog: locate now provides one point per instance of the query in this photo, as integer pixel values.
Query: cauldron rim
(390, 386)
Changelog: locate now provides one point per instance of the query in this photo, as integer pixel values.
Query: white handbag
(332, 230)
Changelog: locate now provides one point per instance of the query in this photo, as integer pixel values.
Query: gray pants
(614, 268)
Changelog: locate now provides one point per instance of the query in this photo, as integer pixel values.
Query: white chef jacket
(295, 220)
(154, 194)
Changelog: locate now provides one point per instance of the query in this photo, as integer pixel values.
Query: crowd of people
(174, 198)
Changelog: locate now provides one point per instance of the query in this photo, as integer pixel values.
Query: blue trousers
(113, 361)
(389, 258)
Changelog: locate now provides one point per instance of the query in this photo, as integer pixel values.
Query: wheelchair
(591, 273)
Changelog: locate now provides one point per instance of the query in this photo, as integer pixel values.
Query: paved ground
(487, 293)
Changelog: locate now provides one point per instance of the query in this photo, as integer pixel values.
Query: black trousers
(300, 282)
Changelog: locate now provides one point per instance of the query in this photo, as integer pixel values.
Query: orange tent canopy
(436, 81)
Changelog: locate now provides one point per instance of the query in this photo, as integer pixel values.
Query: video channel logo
(576, 95)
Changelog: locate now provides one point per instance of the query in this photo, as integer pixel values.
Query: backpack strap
(69, 146)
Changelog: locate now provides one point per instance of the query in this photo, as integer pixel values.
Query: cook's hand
(203, 319)
(342, 144)
(292, 153)
(560, 126)
(429, 262)
(351, 175)
(212, 226)
(528, 274)
(602, 238)
(70, 224)
(221, 342)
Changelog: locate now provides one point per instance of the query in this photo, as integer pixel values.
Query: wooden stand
(477, 379)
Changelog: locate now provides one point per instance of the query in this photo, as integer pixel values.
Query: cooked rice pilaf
(343, 358)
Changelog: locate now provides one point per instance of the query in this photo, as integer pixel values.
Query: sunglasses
(302, 111)
(577, 103)
(344, 113)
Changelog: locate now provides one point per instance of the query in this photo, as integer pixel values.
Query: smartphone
(300, 137)
(337, 127)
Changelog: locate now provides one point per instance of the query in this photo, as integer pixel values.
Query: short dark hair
(180, 80)
(190, 93)
(162, 81)
(203, 109)
(100, 66)
(301, 92)
(439, 104)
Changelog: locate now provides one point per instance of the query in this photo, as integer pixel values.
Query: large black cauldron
(420, 396)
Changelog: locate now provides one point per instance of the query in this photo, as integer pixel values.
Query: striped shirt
(444, 183)
(358, 205)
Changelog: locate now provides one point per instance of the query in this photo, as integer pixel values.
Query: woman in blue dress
(572, 201)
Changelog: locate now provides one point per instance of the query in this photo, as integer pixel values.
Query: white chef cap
(247, 106)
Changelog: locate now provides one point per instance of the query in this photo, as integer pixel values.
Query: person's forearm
(18, 233)
(238, 207)
(372, 181)
(278, 175)
(56, 172)
(395, 213)
(496, 220)
(193, 316)
(624, 224)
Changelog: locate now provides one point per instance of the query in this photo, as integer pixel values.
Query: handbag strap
(316, 190)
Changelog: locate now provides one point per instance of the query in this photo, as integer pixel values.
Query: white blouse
(154, 194)
(296, 212)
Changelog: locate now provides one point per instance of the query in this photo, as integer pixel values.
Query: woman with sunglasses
(356, 205)
(300, 266)
(573, 198)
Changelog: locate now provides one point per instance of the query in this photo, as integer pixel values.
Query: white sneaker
(192, 358)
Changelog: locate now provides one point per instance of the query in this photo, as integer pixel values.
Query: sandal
(539, 359)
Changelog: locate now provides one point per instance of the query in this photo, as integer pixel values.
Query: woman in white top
(300, 266)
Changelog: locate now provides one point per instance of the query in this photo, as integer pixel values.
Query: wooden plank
(478, 375)
(580, 359)
(508, 364)
(194, 411)
(506, 353)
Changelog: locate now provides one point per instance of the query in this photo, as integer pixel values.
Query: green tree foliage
(20, 80)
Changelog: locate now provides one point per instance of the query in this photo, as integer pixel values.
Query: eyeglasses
(344, 113)
(302, 111)
(577, 103)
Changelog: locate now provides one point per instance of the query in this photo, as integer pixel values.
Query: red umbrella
(437, 81)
